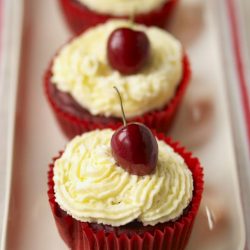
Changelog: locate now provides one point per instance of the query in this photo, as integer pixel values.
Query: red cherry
(128, 50)
(135, 149)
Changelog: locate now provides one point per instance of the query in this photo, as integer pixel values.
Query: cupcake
(148, 66)
(124, 189)
(82, 14)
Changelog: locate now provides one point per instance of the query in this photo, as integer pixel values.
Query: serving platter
(212, 121)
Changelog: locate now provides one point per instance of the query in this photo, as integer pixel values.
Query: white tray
(205, 123)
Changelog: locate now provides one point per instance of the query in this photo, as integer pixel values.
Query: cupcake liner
(159, 120)
(168, 236)
(80, 18)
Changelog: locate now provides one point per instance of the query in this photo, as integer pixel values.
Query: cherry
(135, 148)
(128, 50)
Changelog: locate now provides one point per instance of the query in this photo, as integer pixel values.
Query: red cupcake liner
(167, 236)
(159, 120)
(79, 17)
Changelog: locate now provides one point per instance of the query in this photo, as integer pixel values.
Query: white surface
(203, 126)
(241, 144)
(10, 52)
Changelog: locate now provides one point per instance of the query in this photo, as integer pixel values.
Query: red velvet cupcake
(99, 203)
(152, 79)
(82, 14)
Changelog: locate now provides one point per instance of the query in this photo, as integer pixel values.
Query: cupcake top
(82, 69)
(91, 187)
(123, 7)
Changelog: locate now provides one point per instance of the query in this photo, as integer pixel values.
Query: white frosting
(91, 187)
(81, 69)
(123, 7)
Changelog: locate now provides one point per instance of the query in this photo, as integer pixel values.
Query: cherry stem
(132, 18)
(123, 113)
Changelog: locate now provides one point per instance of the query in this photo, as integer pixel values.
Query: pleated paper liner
(79, 17)
(166, 236)
(159, 120)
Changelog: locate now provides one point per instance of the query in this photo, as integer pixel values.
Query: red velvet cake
(79, 17)
(152, 80)
(80, 208)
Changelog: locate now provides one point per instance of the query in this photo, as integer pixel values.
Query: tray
(212, 121)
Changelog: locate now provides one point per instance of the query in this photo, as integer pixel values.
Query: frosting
(81, 69)
(123, 7)
(91, 187)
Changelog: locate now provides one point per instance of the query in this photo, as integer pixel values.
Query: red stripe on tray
(239, 63)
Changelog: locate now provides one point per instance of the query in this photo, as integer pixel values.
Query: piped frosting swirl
(123, 7)
(91, 187)
(81, 69)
